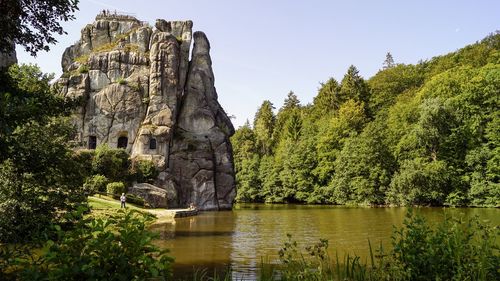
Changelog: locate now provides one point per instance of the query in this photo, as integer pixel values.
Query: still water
(242, 237)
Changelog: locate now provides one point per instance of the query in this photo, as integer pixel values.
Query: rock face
(140, 92)
(155, 196)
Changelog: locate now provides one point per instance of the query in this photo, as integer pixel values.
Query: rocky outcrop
(140, 92)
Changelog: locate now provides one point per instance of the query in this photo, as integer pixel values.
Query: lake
(242, 237)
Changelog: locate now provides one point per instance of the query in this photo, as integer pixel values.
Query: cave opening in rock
(92, 142)
(152, 143)
(122, 142)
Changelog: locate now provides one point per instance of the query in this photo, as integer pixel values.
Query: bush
(453, 250)
(144, 171)
(112, 163)
(115, 188)
(28, 206)
(118, 248)
(84, 158)
(96, 183)
(134, 199)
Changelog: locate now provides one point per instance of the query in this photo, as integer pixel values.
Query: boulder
(154, 197)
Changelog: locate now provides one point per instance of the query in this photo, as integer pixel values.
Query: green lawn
(104, 205)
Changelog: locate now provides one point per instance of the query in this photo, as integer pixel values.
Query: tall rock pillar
(201, 154)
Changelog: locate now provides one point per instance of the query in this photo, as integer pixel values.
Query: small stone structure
(141, 92)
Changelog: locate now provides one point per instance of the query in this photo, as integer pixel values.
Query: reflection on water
(242, 237)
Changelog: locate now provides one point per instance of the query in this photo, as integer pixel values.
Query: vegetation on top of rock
(121, 81)
(82, 59)
(83, 69)
(424, 134)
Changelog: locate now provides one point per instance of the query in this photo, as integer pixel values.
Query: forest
(426, 134)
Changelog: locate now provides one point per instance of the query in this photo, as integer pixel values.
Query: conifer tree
(389, 61)
(263, 125)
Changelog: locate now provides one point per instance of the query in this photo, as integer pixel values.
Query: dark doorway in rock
(152, 143)
(122, 142)
(92, 142)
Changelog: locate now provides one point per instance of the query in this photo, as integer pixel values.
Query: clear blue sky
(262, 49)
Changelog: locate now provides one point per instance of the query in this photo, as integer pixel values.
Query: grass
(103, 206)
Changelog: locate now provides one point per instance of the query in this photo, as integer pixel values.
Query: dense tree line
(424, 134)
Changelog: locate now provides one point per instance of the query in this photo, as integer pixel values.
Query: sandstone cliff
(141, 92)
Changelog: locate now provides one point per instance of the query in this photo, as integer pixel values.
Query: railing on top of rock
(114, 15)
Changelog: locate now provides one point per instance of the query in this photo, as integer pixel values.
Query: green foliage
(130, 47)
(424, 134)
(121, 81)
(419, 182)
(32, 24)
(112, 163)
(84, 159)
(263, 126)
(333, 133)
(115, 188)
(25, 96)
(246, 163)
(293, 126)
(82, 59)
(96, 183)
(363, 168)
(83, 69)
(117, 248)
(40, 179)
(106, 47)
(134, 199)
(353, 86)
(386, 85)
(144, 171)
(328, 99)
(454, 250)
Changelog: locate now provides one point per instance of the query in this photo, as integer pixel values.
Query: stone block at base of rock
(153, 196)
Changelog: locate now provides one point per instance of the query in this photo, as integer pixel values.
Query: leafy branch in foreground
(117, 248)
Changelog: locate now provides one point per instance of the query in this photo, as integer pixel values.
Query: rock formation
(140, 92)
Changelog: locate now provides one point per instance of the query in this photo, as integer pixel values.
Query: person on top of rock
(122, 200)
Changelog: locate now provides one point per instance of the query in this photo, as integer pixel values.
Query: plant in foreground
(117, 248)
